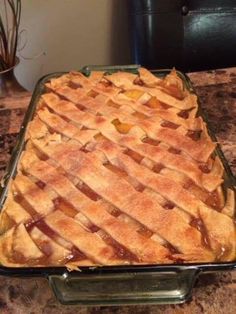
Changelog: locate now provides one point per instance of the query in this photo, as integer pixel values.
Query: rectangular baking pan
(114, 285)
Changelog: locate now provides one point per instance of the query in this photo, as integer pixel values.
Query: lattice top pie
(118, 169)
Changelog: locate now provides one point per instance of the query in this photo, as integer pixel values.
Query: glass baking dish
(114, 285)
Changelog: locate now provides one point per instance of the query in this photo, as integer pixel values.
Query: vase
(8, 82)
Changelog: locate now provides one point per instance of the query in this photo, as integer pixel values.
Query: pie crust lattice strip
(118, 169)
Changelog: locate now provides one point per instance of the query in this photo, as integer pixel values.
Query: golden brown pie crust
(118, 169)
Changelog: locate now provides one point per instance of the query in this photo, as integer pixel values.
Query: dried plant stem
(9, 32)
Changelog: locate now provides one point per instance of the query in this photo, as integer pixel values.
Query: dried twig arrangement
(10, 14)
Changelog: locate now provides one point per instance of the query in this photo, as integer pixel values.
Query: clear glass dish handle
(109, 68)
(157, 287)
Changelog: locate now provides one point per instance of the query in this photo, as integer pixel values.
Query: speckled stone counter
(213, 293)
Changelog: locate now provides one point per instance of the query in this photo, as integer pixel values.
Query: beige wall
(72, 33)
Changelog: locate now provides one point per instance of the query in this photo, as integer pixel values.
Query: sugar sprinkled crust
(118, 169)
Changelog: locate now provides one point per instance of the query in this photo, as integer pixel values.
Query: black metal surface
(11, 171)
(189, 34)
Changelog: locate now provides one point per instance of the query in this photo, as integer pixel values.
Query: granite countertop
(213, 293)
